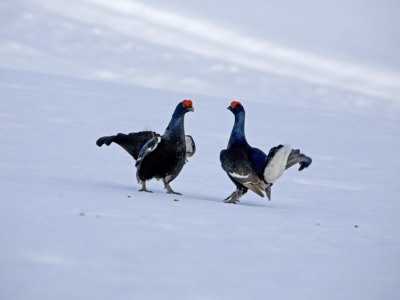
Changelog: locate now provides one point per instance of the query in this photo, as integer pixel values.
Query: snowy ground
(74, 226)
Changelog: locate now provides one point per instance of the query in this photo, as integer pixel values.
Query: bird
(158, 156)
(249, 167)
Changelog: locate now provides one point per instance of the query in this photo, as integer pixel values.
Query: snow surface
(73, 224)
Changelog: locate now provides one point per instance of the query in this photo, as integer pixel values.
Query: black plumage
(159, 157)
(132, 142)
(249, 167)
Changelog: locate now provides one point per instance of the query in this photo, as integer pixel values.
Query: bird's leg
(234, 197)
(169, 190)
(143, 189)
(233, 194)
(239, 194)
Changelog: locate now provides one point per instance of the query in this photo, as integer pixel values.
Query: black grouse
(250, 168)
(159, 157)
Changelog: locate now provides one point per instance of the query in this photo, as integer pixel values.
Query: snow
(73, 224)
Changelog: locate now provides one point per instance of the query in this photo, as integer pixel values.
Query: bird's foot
(233, 200)
(174, 193)
(234, 197)
(169, 190)
(143, 189)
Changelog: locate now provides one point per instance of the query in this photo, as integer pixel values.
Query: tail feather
(132, 142)
(297, 157)
(100, 141)
(105, 140)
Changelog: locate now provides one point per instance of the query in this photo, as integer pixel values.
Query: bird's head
(236, 107)
(187, 105)
(182, 108)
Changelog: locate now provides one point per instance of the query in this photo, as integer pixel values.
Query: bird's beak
(230, 108)
(191, 108)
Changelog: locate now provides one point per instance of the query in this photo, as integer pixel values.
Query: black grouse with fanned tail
(250, 168)
(158, 156)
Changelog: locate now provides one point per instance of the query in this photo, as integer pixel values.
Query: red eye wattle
(234, 103)
(187, 102)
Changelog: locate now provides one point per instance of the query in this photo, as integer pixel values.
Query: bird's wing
(238, 167)
(258, 160)
(149, 147)
(132, 142)
(190, 146)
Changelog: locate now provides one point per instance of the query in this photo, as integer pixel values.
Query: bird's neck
(237, 136)
(175, 127)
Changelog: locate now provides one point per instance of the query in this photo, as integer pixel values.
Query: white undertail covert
(277, 165)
